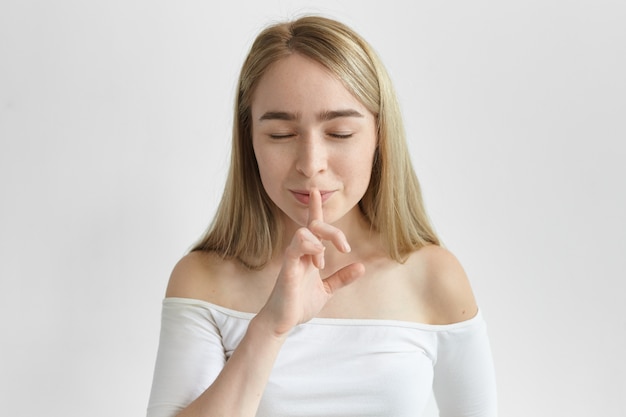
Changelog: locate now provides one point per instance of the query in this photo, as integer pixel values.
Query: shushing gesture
(300, 292)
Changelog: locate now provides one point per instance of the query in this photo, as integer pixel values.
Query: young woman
(320, 288)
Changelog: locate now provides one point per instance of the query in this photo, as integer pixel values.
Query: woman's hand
(300, 292)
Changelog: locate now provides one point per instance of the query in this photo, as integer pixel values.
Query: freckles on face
(309, 131)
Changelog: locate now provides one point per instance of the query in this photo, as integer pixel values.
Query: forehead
(300, 84)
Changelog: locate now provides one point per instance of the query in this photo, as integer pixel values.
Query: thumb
(345, 276)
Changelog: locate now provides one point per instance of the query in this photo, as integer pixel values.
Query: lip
(303, 195)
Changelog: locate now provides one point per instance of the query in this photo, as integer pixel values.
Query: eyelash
(333, 135)
(340, 135)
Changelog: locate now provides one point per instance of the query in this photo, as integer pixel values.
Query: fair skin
(314, 143)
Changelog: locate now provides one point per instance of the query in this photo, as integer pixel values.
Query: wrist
(264, 326)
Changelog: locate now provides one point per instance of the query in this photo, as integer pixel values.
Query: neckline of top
(331, 321)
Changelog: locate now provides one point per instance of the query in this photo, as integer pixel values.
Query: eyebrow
(334, 114)
(323, 116)
(278, 115)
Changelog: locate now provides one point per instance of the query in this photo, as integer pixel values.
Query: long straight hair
(246, 225)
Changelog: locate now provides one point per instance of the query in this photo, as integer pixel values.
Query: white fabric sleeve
(464, 382)
(189, 358)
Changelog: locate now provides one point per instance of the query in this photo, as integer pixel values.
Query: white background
(114, 126)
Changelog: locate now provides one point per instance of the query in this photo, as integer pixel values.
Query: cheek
(270, 170)
(356, 172)
(265, 171)
(361, 162)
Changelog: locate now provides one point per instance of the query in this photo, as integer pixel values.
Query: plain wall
(114, 141)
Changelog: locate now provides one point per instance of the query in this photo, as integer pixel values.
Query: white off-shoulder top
(330, 367)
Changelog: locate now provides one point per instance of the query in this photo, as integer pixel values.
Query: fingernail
(346, 247)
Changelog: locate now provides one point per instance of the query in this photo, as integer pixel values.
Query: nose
(312, 155)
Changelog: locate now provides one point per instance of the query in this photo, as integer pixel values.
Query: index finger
(315, 206)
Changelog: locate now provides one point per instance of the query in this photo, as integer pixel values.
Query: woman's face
(309, 131)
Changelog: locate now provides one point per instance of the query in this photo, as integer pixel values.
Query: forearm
(238, 389)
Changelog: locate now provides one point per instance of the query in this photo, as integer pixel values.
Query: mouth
(303, 195)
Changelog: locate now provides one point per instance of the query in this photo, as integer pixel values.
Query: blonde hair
(245, 226)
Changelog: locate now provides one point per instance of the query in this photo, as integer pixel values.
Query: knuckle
(301, 236)
(314, 223)
(301, 233)
(337, 234)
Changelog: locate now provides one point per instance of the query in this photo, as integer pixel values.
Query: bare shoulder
(208, 277)
(196, 276)
(445, 286)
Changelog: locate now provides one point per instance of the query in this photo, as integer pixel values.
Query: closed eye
(281, 135)
(341, 135)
